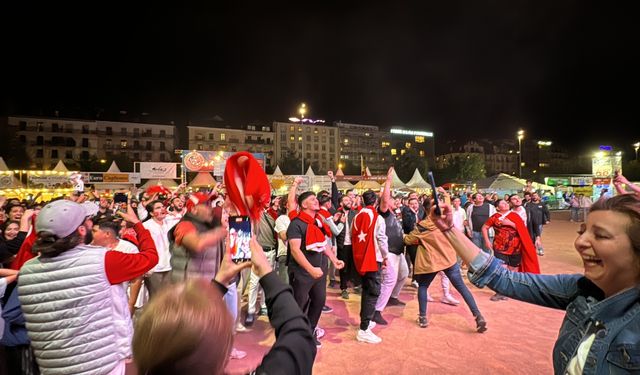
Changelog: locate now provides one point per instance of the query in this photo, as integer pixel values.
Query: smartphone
(120, 198)
(239, 238)
(436, 199)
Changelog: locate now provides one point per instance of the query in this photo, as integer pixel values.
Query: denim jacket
(614, 320)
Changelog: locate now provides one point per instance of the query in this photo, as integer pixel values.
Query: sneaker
(237, 354)
(240, 328)
(264, 311)
(414, 284)
(372, 325)
(319, 332)
(249, 320)
(326, 309)
(357, 289)
(344, 294)
(377, 317)
(318, 343)
(481, 324)
(449, 300)
(503, 298)
(368, 336)
(495, 297)
(395, 302)
(540, 252)
(422, 322)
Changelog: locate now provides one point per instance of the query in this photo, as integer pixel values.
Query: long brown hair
(185, 329)
(629, 205)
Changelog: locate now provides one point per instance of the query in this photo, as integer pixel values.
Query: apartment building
(317, 144)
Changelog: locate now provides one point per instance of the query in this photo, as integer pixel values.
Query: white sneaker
(241, 328)
(372, 325)
(368, 336)
(237, 354)
(414, 284)
(449, 300)
(319, 332)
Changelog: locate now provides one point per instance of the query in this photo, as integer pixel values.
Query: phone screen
(239, 238)
(435, 194)
(120, 198)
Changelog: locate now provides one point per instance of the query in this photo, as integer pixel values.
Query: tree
(463, 168)
(290, 164)
(407, 164)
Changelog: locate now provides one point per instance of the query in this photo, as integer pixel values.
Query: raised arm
(386, 192)
(292, 204)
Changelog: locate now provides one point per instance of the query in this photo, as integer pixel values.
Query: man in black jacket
(538, 215)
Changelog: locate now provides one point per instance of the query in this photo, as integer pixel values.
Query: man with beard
(345, 251)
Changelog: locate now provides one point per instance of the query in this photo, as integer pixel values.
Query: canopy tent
(8, 180)
(418, 183)
(277, 171)
(344, 185)
(60, 167)
(367, 185)
(113, 168)
(339, 172)
(310, 172)
(202, 179)
(396, 182)
(166, 182)
(503, 183)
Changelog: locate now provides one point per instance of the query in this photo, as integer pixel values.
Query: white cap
(63, 217)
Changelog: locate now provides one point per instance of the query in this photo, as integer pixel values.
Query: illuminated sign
(605, 148)
(411, 132)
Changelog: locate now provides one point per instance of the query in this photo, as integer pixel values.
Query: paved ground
(519, 340)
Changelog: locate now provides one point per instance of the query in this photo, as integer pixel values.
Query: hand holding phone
(435, 194)
(240, 238)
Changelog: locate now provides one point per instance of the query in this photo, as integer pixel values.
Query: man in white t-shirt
(159, 226)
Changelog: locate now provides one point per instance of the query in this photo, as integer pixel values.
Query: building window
(394, 151)
(211, 136)
(315, 147)
(39, 153)
(149, 146)
(54, 154)
(85, 155)
(136, 132)
(419, 139)
(123, 131)
(109, 130)
(68, 154)
(403, 151)
(324, 148)
(385, 144)
(367, 134)
(23, 125)
(308, 138)
(136, 144)
(300, 138)
(149, 156)
(55, 127)
(292, 138)
(23, 139)
(136, 156)
(85, 142)
(223, 137)
(299, 128)
(39, 140)
(162, 157)
(407, 145)
(315, 138)
(163, 133)
(85, 129)
(162, 146)
(346, 141)
(421, 152)
(123, 143)
(265, 129)
(200, 147)
(315, 130)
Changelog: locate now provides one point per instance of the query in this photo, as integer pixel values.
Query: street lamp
(520, 137)
(636, 146)
(302, 110)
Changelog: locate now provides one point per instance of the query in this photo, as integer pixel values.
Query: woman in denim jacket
(600, 333)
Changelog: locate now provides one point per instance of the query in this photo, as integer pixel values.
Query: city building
(216, 136)
(401, 141)
(366, 143)
(49, 139)
(316, 145)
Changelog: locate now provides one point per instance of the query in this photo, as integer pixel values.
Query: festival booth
(503, 183)
(343, 185)
(202, 180)
(418, 184)
(41, 185)
(111, 181)
(364, 185)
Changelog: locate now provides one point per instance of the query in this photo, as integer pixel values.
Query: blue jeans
(453, 273)
(478, 240)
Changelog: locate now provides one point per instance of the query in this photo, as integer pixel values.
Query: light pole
(636, 146)
(520, 137)
(302, 110)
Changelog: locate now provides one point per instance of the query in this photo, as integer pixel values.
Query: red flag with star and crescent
(362, 240)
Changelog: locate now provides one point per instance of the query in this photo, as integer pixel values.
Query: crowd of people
(100, 287)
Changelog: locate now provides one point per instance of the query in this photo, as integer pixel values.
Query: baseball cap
(198, 198)
(63, 217)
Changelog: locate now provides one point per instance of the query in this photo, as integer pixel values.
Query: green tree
(463, 168)
(290, 164)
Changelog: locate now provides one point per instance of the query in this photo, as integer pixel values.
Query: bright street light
(520, 138)
(636, 146)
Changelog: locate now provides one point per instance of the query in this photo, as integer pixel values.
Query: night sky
(561, 70)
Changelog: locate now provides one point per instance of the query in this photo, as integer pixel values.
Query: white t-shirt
(282, 223)
(159, 235)
(459, 216)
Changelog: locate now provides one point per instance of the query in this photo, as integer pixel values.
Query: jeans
(348, 272)
(453, 273)
(309, 293)
(393, 277)
(156, 282)
(370, 294)
(575, 213)
(254, 285)
(478, 240)
(283, 271)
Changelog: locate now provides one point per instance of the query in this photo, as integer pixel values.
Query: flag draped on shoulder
(363, 240)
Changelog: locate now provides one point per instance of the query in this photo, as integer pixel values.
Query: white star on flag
(362, 236)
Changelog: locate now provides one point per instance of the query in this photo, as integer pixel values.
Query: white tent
(503, 183)
(418, 183)
(367, 185)
(3, 165)
(310, 172)
(396, 182)
(60, 167)
(202, 179)
(113, 168)
(277, 171)
(8, 181)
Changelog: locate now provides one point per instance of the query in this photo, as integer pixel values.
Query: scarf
(247, 185)
(363, 241)
(315, 239)
(529, 261)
